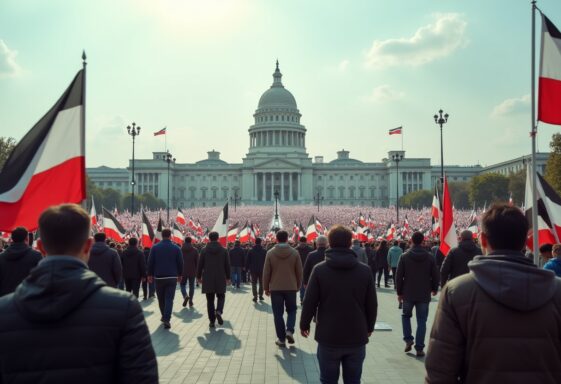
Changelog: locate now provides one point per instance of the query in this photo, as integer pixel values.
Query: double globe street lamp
(441, 120)
(133, 130)
(168, 158)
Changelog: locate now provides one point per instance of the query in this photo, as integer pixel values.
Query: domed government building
(277, 162)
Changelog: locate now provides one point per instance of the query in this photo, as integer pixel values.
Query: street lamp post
(133, 131)
(168, 158)
(397, 157)
(318, 199)
(441, 120)
(235, 199)
(276, 225)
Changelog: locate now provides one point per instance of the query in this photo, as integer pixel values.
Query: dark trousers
(385, 271)
(331, 359)
(183, 286)
(165, 290)
(422, 313)
(132, 285)
(147, 289)
(280, 300)
(255, 278)
(394, 272)
(212, 311)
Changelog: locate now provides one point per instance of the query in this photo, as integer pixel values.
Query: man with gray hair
(360, 252)
(315, 257)
(456, 263)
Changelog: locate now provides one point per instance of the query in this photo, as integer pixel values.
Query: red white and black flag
(47, 167)
(448, 235)
(544, 225)
(180, 219)
(112, 228)
(549, 92)
(221, 225)
(311, 231)
(176, 235)
(436, 212)
(147, 232)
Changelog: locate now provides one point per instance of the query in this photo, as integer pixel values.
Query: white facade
(277, 162)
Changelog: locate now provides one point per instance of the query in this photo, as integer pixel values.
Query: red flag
(180, 219)
(549, 90)
(448, 238)
(112, 228)
(311, 231)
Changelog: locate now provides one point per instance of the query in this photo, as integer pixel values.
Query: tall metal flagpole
(83, 133)
(534, 132)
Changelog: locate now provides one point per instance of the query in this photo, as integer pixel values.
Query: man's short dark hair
(213, 236)
(19, 235)
(505, 227)
(417, 238)
(166, 233)
(546, 248)
(282, 236)
(133, 242)
(340, 237)
(258, 240)
(303, 239)
(100, 237)
(237, 243)
(64, 229)
(395, 243)
(188, 240)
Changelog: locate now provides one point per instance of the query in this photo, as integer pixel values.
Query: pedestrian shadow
(147, 313)
(241, 289)
(262, 307)
(187, 315)
(220, 342)
(166, 343)
(294, 362)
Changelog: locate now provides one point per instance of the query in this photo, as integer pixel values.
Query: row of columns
(279, 137)
(287, 184)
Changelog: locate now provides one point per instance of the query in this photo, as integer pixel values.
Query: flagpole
(535, 246)
(83, 133)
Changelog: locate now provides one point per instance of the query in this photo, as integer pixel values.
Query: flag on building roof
(395, 131)
(221, 225)
(161, 132)
(549, 88)
(112, 228)
(47, 166)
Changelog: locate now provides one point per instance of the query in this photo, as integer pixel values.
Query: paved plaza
(243, 350)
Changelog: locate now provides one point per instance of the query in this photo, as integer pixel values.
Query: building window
(213, 178)
(352, 178)
(340, 177)
(214, 193)
(330, 177)
(319, 178)
(203, 194)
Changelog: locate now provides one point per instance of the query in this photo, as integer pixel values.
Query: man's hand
(268, 293)
(228, 281)
(150, 279)
(179, 279)
(400, 299)
(200, 281)
(304, 332)
(369, 334)
(434, 293)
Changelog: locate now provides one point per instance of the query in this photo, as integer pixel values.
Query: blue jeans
(236, 276)
(280, 300)
(165, 290)
(330, 359)
(422, 313)
(183, 286)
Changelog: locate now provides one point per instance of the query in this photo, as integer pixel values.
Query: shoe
(378, 285)
(211, 325)
(289, 337)
(185, 300)
(219, 318)
(145, 298)
(281, 344)
(161, 319)
(420, 353)
(387, 286)
(167, 325)
(261, 298)
(190, 304)
(408, 346)
(255, 299)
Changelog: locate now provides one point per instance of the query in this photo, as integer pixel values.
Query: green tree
(126, 202)
(489, 187)
(517, 186)
(553, 166)
(459, 193)
(7, 145)
(421, 198)
(111, 198)
(151, 202)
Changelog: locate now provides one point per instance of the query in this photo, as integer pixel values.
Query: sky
(356, 69)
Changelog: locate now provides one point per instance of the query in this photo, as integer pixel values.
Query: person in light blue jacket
(394, 254)
(554, 264)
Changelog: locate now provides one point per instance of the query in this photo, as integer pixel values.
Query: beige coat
(283, 269)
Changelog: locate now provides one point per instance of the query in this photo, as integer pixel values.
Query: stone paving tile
(243, 349)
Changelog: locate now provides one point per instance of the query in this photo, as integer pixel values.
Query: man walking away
(456, 263)
(214, 274)
(237, 262)
(382, 263)
(554, 264)
(417, 277)
(190, 262)
(437, 254)
(360, 252)
(500, 323)
(303, 250)
(63, 324)
(165, 266)
(282, 278)
(16, 261)
(255, 263)
(394, 253)
(105, 261)
(134, 267)
(341, 292)
(147, 288)
(314, 258)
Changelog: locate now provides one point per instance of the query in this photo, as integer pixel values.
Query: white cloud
(343, 65)
(513, 106)
(8, 65)
(385, 93)
(430, 42)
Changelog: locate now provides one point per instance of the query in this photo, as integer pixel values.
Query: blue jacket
(165, 260)
(393, 256)
(554, 265)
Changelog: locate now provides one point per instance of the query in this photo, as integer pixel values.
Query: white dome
(277, 96)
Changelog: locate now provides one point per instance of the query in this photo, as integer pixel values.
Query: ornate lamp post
(133, 131)
(276, 223)
(397, 157)
(318, 199)
(441, 120)
(168, 158)
(235, 199)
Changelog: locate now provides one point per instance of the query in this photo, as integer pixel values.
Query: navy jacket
(165, 260)
(256, 259)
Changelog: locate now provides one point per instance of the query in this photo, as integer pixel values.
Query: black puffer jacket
(134, 266)
(456, 263)
(106, 263)
(15, 264)
(64, 325)
(417, 275)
